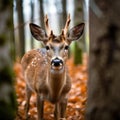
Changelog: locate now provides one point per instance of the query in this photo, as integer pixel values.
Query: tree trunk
(41, 14)
(77, 54)
(7, 94)
(21, 27)
(41, 18)
(32, 19)
(103, 101)
(78, 18)
(64, 14)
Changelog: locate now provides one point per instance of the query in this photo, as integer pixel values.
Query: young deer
(45, 69)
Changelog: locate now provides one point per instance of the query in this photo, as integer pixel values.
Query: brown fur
(39, 78)
(45, 70)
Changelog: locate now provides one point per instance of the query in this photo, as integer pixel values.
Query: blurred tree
(41, 14)
(32, 19)
(41, 18)
(19, 5)
(78, 16)
(64, 18)
(61, 14)
(7, 94)
(103, 101)
(64, 2)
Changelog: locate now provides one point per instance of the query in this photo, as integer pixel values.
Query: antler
(67, 24)
(48, 29)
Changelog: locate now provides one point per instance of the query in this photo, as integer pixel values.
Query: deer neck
(56, 81)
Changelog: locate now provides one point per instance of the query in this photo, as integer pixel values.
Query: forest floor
(77, 95)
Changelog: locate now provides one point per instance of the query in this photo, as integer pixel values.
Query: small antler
(48, 29)
(67, 24)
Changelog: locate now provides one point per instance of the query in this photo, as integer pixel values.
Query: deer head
(57, 46)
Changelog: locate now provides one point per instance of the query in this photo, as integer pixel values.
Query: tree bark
(78, 15)
(41, 14)
(103, 101)
(19, 4)
(32, 19)
(64, 14)
(7, 94)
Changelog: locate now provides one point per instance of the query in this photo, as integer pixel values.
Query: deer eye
(47, 48)
(66, 47)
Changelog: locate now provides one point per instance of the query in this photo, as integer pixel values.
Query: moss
(77, 54)
(2, 40)
(79, 9)
(9, 23)
(13, 53)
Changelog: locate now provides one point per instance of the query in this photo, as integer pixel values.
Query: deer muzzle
(57, 63)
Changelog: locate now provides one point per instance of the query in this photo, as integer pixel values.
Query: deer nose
(57, 62)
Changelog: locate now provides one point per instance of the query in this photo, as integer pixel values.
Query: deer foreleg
(57, 111)
(40, 107)
(63, 106)
(28, 96)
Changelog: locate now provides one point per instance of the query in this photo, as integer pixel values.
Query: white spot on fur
(28, 67)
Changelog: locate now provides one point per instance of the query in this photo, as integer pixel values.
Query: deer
(45, 70)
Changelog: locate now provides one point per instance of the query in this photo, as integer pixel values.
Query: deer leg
(63, 106)
(40, 108)
(27, 105)
(57, 111)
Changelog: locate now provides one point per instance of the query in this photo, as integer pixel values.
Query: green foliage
(77, 54)
(79, 9)
(2, 40)
(9, 23)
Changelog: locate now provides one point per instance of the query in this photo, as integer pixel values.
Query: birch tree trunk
(104, 67)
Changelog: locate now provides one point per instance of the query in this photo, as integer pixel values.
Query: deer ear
(76, 32)
(37, 32)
